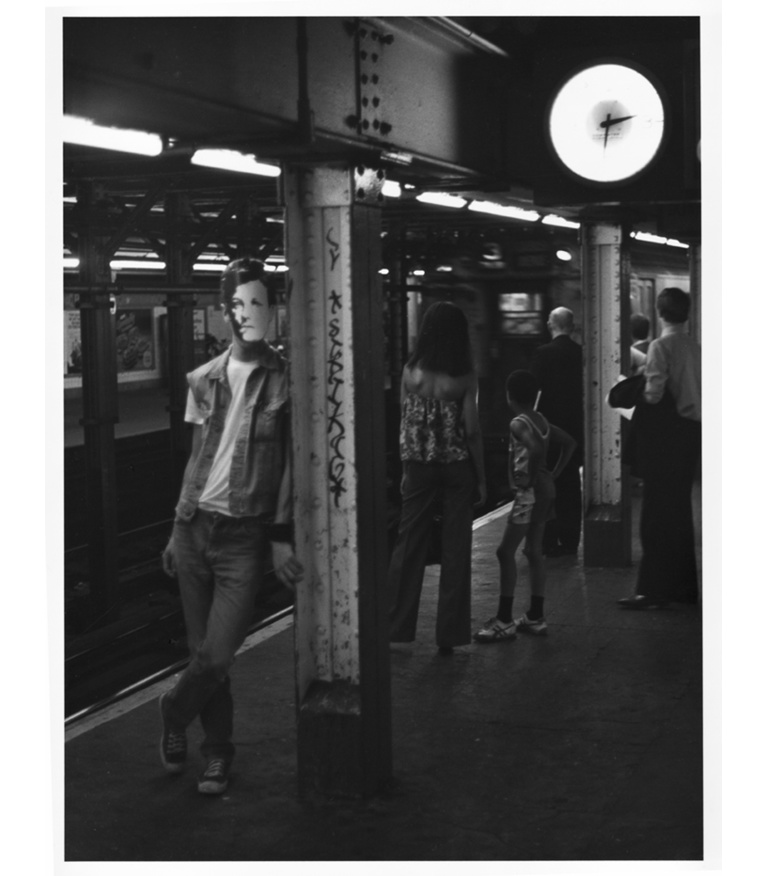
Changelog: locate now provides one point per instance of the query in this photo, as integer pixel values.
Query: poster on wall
(134, 341)
(73, 354)
(135, 346)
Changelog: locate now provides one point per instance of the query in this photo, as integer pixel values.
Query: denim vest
(260, 448)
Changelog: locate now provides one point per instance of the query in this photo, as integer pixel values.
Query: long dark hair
(443, 341)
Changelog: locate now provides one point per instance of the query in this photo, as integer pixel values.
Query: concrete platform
(585, 745)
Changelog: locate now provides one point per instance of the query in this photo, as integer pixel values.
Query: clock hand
(609, 121)
(605, 125)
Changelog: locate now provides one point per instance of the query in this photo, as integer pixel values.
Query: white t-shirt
(215, 495)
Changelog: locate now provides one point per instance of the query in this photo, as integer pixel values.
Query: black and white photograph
(387, 526)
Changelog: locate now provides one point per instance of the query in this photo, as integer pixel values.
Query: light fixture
(85, 133)
(554, 219)
(419, 272)
(564, 255)
(646, 237)
(391, 189)
(384, 272)
(229, 159)
(396, 157)
(507, 211)
(136, 265)
(71, 263)
(441, 199)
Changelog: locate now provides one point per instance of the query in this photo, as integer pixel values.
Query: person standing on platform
(533, 504)
(558, 368)
(667, 454)
(235, 502)
(442, 454)
(639, 349)
(640, 326)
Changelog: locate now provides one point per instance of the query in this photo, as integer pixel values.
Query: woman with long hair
(442, 454)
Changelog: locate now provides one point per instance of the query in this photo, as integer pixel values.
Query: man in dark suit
(558, 368)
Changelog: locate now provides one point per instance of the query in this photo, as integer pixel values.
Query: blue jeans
(220, 562)
(422, 483)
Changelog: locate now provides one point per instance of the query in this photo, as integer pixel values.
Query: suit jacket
(558, 368)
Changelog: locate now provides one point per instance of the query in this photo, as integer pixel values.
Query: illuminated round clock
(606, 123)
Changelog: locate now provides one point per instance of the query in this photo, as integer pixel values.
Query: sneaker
(496, 631)
(173, 746)
(536, 627)
(215, 778)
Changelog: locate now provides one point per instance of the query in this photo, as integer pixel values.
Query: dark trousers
(422, 484)
(668, 566)
(564, 532)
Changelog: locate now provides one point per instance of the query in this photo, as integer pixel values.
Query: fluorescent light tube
(228, 159)
(506, 211)
(85, 133)
(440, 199)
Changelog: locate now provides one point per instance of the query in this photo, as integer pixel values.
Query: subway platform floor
(584, 745)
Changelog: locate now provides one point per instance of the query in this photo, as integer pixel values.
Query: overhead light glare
(384, 272)
(508, 212)
(444, 269)
(418, 272)
(554, 219)
(71, 263)
(209, 267)
(441, 199)
(646, 237)
(391, 189)
(136, 265)
(228, 159)
(85, 133)
(564, 255)
(394, 157)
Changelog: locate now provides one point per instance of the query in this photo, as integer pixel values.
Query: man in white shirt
(235, 504)
(668, 448)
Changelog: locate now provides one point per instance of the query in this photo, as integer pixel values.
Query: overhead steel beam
(283, 86)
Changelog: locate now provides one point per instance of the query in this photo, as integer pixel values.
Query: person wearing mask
(235, 508)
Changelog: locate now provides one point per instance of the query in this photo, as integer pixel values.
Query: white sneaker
(496, 631)
(535, 627)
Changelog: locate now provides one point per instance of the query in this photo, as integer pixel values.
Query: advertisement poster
(73, 356)
(135, 345)
(135, 341)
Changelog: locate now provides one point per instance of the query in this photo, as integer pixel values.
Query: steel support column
(694, 264)
(333, 226)
(605, 297)
(180, 306)
(100, 410)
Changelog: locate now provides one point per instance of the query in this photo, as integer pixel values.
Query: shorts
(534, 505)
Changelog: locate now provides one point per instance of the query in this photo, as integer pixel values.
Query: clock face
(606, 123)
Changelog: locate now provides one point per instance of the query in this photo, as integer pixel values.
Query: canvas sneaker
(215, 778)
(173, 746)
(496, 631)
(536, 627)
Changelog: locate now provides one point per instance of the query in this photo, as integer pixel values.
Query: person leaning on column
(235, 504)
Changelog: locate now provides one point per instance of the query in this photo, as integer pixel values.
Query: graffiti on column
(336, 430)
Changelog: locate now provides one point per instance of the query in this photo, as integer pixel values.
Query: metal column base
(330, 750)
(608, 535)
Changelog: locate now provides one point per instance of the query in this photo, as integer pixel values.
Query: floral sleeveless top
(431, 430)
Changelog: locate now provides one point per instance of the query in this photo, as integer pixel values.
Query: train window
(521, 324)
(518, 302)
